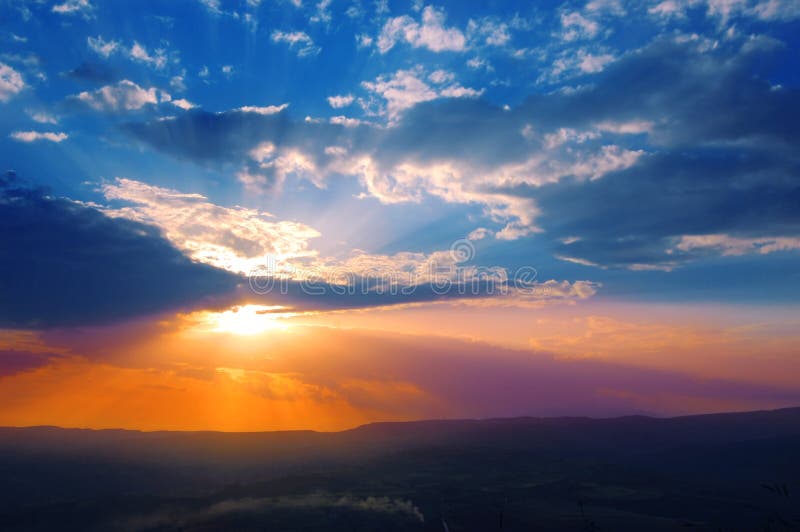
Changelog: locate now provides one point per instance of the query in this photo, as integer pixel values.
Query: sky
(294, 214)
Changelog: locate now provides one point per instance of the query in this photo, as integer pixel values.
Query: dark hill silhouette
(719, 471)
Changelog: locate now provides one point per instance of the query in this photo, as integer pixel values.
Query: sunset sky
(296, 214)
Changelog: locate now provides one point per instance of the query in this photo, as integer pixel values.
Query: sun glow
(245, 320)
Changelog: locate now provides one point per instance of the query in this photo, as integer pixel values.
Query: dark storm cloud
(692, 95)
(63, 263)
(632, 216)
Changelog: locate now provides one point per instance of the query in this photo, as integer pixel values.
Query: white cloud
(246, 241)
(101, 46)
(177, 82)
(406, 88)
(31, 136)
(298, 41)
(212, 5)
(322, 14)
(431, 33)
(125, 95)
(11, 82)
(275, 165)
(441, 76)
(266, 110)
(457, 91)
(183, 104)
(576, 26)
(489, 32)
(591, 63)
(479, 234)
(572, 156)
(613, 7)
(633, 127)
(72, 7)
(157, 60)
(667, 9)
(727, 245)
(776, 10)
(337, 102)
(346, 121)
(724, 10)
(234, 238)
(42, 117)
(137, 52)
(478, 63)
(572, 62)
(363, 40)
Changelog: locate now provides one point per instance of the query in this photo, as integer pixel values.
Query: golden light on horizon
(244, 320)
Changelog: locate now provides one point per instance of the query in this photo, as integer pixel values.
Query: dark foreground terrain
(714, 472)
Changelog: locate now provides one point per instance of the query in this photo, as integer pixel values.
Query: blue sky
(295, 214)
(647, 149)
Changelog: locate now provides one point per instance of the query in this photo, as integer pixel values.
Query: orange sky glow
(266, 368)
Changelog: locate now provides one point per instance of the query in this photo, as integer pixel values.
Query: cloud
(265, 110)
(363, 40)
(613, 7)
(212, 5)
(579, 62)
(709, 143)
(322, 14)
(11, 82)
(337, 102)
(42, 117)
(406, 88)
(347, 121)
(183, 104)
(236, 239)
(249, 242)
(123, 96)
(771, 10)
(31, 136)
(692, 209)
(178, 82)
(725, 10)
(101, 46)
(576, 26)
(64, 263)
(667, 9)
(14, 361)
(298, 41)
(136, 52)
(68, 264)
(157, 60)
(430, 33)
(728, 245)
(488, 31)
(72, 7)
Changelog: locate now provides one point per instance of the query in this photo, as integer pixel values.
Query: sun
(245, 320)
